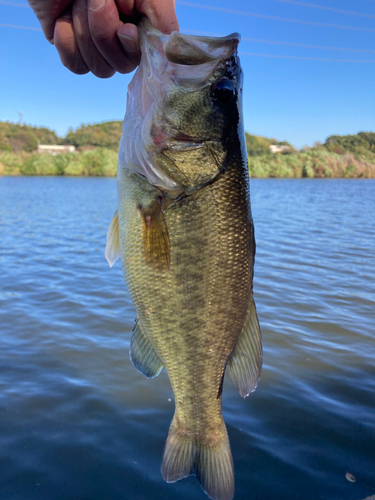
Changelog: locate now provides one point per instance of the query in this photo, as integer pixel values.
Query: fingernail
(127, 42)
(96, 4)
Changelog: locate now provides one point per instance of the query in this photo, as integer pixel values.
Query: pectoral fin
(142, 354)
(156, 244)
(112, 249)
(245, 362)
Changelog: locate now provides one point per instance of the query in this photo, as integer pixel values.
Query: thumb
(161, 13)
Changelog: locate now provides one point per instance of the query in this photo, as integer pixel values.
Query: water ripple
(78, 421)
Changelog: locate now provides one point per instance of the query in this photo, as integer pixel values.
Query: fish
(184, 233)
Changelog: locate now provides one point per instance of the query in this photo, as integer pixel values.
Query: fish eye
(224, 91)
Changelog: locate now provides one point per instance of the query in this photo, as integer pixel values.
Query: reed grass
(315, 163)
(94, 162)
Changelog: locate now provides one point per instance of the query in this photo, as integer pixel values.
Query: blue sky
(292, 92)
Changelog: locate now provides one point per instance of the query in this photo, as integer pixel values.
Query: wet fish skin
(188, 256)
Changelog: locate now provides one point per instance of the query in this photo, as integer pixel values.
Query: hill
(103, 135)
(17, 138)
(362, 145)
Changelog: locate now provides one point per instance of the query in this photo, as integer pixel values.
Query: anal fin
(142, 354)
(245, 362)
(112, 249)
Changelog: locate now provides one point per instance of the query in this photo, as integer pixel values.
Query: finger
(103, 17)
(48, 11)
(67, 46)
(128, 36)
(161, 13)
(126, 7)
(91, 55)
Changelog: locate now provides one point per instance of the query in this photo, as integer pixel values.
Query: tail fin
(212, 463)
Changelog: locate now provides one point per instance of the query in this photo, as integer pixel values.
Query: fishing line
(305, 58)
(273, 18)
(277, 42)
(313, 6)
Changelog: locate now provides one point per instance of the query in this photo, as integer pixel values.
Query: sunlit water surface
(77, 421)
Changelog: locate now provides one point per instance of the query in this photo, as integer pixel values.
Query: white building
(54, 149)
(275, 148)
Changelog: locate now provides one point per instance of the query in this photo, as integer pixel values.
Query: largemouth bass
(185, 235)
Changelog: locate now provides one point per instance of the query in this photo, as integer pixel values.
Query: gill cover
(167, 60)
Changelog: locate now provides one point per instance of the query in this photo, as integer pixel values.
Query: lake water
(78, 422)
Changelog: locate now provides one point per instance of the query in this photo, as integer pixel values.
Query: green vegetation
(103, 135)
(95, 162)
(96, 150)
(17, 138)
(349, 156)
(340, 157)
(257, 146)
(315, 163)
(361, 145)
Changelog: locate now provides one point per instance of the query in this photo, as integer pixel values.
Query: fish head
(183, 109)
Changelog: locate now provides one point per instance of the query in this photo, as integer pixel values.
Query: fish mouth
(177, 142)
(188, 60)
(189, 50)
(183, 145)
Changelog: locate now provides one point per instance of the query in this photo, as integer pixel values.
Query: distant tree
(369, 137)
(4, 142)
(257, 145)
(286, 143)
(23, 141)
(16, 137)
(104, 135)
(348, 143)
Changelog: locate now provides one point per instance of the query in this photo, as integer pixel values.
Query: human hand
(90, 36)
